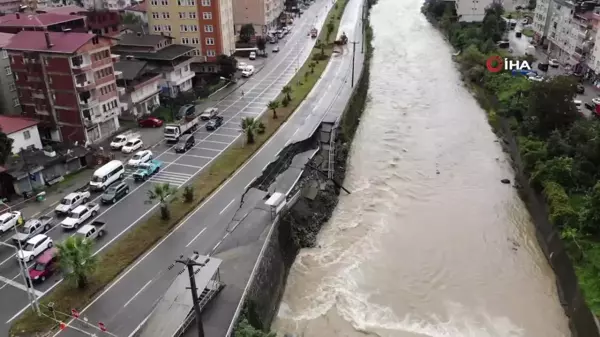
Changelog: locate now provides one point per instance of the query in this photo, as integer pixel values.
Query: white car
(241, 65)
(249, 71)
(132, 145)
(596, 100)
(276, 49)
(553, 63)
(536, 78)
(252, 55)
(140, 157)
(8, 220)
(34, 247)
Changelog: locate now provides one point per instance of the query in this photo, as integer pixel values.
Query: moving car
(252, 55)
(249, 71)
(9, 220)
(132, 145)
(80, 215)
(187, 142)
(140, 157)
(45, 265)
(115, 192)
(214, 123)
(31, 228)
(106, 175)
(241, 65)
(209, 113)
(145, 170)
(71, 201)
(34, 247)
(276, 49)
(554, 63)
(93, 231)
(150, 122)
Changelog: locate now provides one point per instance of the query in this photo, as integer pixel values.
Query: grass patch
(140, 238)
(528, 32)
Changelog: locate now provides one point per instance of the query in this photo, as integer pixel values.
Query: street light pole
(189, 263)
(353, 53)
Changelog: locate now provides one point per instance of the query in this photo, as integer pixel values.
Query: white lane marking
(195, 156)
(138, 292)
(216, 142)
(18, 285)
(175, 174)
(207, 149)
(186, 165)
(224, 135)
(250, 183)
(195, 237)
(224, 208)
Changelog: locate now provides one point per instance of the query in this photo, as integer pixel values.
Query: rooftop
(168, 53)
(30, 160)
(142, 40)
(5, 39)
(141, 7)
(63, 42)
(36, 20)
(131, 69)
(10, 125)
(65, 10)
(134, 27)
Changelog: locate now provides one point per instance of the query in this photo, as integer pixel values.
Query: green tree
(5, 147)
(251, 127)
(128, 18)
(245, 329)
(261, 44)
(247, 32)
(287, 91)
(533, 151)
(161, 193)
(558, 169)
(312, 66)
(76, 259)
(561, 211)
(330, 27)
(551, 105)
(273, 105)
(591, 215)
(227, 66)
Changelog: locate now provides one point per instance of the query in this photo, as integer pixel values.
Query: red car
(45, 265)
(150, 122)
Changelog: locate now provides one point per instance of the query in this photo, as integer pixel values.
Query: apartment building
(103, 22)
(112, 5)
(163, 56)
(138, 86)
(9, 99)
(10, 6)
(468, 10)
(205, 25)
(66, 81)
(541, 20)
(263, 14)
(139, 10)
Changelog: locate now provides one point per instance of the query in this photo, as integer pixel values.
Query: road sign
(74, 313)
(101, 326)
(62, 325)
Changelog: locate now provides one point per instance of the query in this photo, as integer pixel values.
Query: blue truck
(145, 170)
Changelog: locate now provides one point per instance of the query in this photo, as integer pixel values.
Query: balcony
(122, 91)
(88, 103)
(81, 62)
(84, 85)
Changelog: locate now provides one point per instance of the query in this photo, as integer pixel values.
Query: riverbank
(300, 226)
(554, 156)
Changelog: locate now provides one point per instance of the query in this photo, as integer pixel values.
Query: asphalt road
(177, 169)
(127, 302)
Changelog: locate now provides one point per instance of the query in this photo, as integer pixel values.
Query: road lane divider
(195, 237)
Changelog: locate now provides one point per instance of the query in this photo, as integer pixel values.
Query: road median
(126, 250)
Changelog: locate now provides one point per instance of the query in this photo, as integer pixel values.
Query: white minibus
(107, 174)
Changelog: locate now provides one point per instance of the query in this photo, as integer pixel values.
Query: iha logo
(496, 64)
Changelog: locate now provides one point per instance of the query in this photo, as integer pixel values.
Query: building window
(167, 28)
(211, 53)
(208, 28)
(195, 40)
(154, 2)
(26, 134)
(16, 101)
(185, 40)
(8, 70)
(183, 28)
(12, 86)
(192, 15)
(182, 15)
(186, 2)
(155, 15)
(165, 15)
(210, 41)
(193, 28)
(164, 2)
(157, 28)
(206, 3)
(4, 54)
(207, 15)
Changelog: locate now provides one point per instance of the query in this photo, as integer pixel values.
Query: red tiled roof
(10, 125)
(36, 20)
(63, 42)
(5, 39)
(141, 7)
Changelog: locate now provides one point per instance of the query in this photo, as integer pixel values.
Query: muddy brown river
(412, 252)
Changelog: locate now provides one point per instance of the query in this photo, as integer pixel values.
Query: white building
(138, 87)
(115, 5)
(541, 20)
(139, 11)
(471, 10)
(262, 14)
(22, 131)
(511, 5)
(178, 80)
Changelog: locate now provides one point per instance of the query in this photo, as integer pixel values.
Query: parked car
(214, 123)
(241, 65)
(209, 113)
(276, 49)
(140, 157)
(187, 110)
(132, 145)
(120, 140)
(554, 63)
(34, 247)
(543, 66)
(150, 122)
(9, 220)
(31, 228)
(115, 192)
(93, 231)
(252, 55)
(80, 215)
(71, 201)
(249, 71)
(186, 142)
(45, 265)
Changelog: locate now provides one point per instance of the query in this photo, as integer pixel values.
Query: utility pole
(364, 19)
(189, 263)
(353, 53)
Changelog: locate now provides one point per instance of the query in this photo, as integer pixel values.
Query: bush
(188, 193)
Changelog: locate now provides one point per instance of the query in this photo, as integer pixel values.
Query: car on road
(132, 145)
(45, 265)
(249, 71)
(187, 110)
(146, 170)
(120, 140)
(242, 65)
(140, 157)
(580, 88)
(596, 100)
(252, 55)
(34, 247)
(209, 113)
(115, 192)
(80, 215)
(150, 122)
(276, 49)
(71, 201)
(554, 63)
(536, 78)
(93, 231)
(31, 228)
(9, 220)
(186, 142)
(214, 123)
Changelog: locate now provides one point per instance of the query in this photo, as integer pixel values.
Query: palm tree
(287, 90)
(312, 66)
(273, 105)
(77, 260)
(250, 126)
(161, 192)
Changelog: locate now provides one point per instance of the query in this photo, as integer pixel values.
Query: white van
(107, 174)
